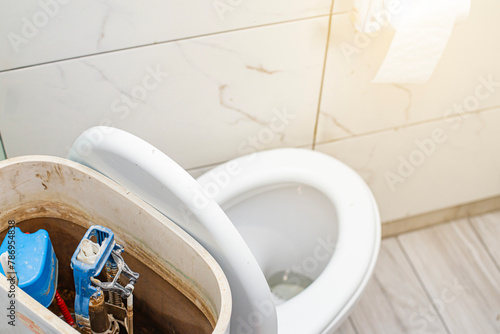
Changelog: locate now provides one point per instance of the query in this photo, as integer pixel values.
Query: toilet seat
(336, 289)
(159, 181)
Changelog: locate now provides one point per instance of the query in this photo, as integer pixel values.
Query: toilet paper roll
(422, 31)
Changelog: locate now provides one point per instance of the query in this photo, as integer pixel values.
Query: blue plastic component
(35, 263)
(82, 272)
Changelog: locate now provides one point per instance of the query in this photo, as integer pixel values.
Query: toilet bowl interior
(290, 228)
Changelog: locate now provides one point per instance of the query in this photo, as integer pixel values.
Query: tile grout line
(481, 241)
(409, 125)
(169, 41)
(422, 285)
(315, 131)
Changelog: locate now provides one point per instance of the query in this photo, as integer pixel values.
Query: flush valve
(94, 312)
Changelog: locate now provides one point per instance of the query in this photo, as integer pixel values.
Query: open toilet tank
(181, 287)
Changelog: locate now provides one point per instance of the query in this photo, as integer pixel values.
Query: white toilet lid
(159, 181)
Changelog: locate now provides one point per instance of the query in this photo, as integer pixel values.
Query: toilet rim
(331, 294)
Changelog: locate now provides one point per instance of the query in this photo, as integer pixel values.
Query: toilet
(295, 231)
(312, 224)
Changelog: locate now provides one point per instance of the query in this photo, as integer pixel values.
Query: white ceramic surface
(74, 29)
(464, 166)
(352, 105)
(222, 90)
(148, 173)
(287, 203)
(208, 99)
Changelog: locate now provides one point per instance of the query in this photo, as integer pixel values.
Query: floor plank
(394, 301)
(488, 228)
(346, 328)
(458, 274)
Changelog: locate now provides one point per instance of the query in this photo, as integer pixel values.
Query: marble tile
(39, 31)
(201, 101)
(352, 105)
(427, 167)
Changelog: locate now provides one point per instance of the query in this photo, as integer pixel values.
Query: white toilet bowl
(297, 218)
(308, 219)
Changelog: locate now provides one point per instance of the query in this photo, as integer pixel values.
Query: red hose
(64, 309)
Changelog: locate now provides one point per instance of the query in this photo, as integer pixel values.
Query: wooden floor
(443, 279)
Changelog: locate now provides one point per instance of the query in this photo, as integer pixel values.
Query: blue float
(34, 262)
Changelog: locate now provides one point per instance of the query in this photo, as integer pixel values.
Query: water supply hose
(64, 309)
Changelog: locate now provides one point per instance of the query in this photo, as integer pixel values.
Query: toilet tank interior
(287, 226)
(181, 289)
(158, 304)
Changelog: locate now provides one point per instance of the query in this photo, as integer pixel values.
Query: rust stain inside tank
(159, 307)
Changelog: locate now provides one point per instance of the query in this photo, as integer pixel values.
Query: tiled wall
(206, 82)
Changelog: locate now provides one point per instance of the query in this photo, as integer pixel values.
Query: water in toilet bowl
(287, 284)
